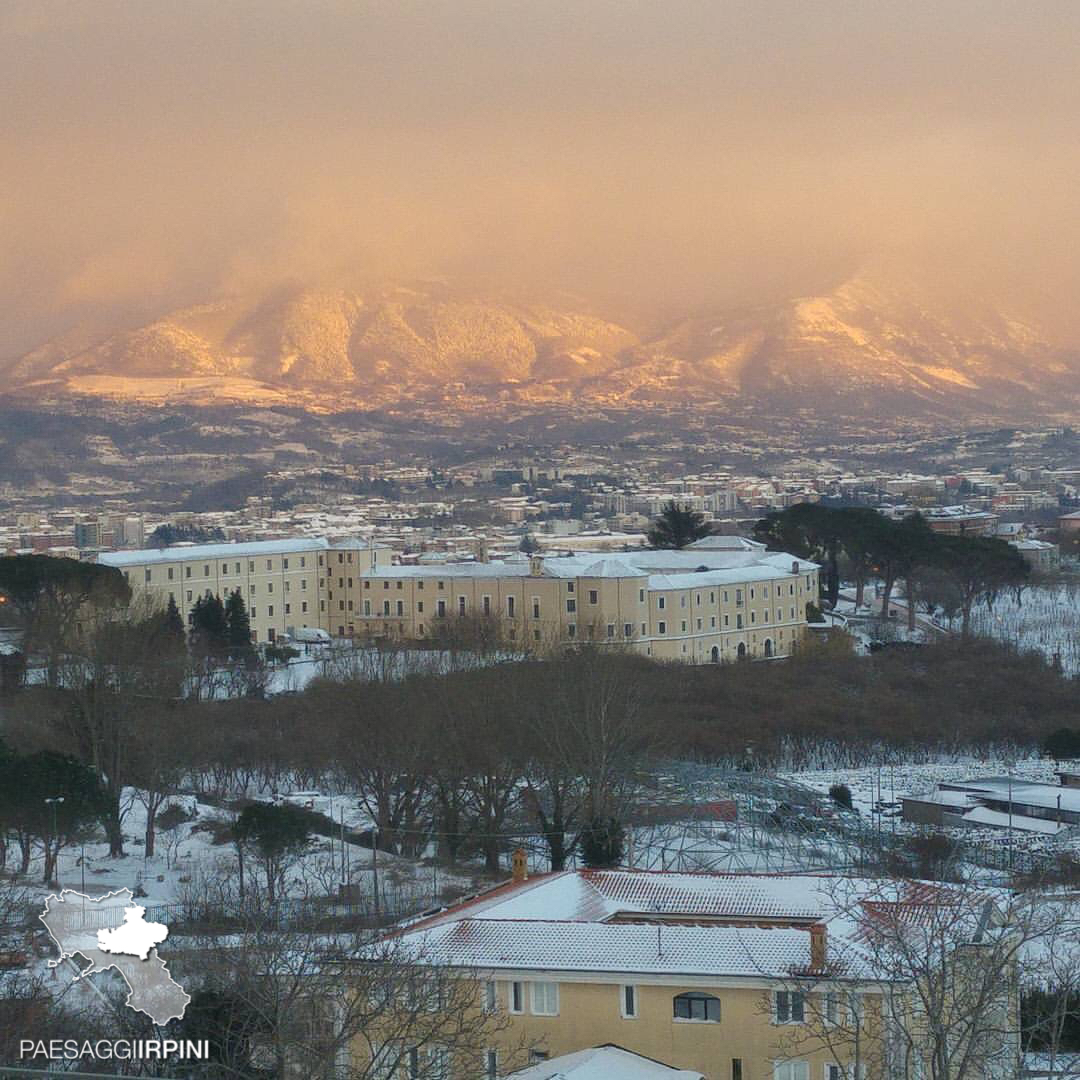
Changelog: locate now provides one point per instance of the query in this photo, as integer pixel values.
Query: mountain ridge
(865, 344)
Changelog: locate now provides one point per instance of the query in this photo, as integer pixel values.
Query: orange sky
(646, 156)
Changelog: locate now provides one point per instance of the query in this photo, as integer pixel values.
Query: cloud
(653, 156)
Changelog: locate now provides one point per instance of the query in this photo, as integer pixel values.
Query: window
(610, 629)
(269, 586)
(751, 594)
(303, 562)
(661, 628)
(682, 600)
(517, 997)
(738, 622)
(303, 584)
(594, 596)
(187, 571)
(491, 1065)
(189, 596)
(400, 584)
(400, 607)
(628, 1002)
(146, 575)
(269, 564)
(736, 1069)
(206, 570)
(486, 601)
(536, 1056)
(284, 564)
(697, 1006)
(510, 606)
(789, 1007)
(545, 998)
(791, 1070)
(461, 605)
(683, 625)
(491, 1000)
(569, 586)
(386, 607)
(440, 608)
(536, 607)
(385, 584)
(571, 606)
(571, 630)
(441, 585)
(367, 607)
(270, 611)
(170, 573)
(367, 584)
(419, 585)
(303, 607)
(288, 608)
(661, 602)
(641, 596)
(419, 607)
(252, 612)
(628, 630)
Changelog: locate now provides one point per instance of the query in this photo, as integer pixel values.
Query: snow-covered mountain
(866, 345)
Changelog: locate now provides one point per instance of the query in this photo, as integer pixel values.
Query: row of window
(789, 1006)
(171, 571)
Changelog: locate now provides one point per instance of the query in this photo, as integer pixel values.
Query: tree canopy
(677, 526)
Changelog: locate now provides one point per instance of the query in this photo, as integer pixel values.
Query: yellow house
(727, 976)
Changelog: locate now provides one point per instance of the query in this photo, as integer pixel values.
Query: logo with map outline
(111, 932)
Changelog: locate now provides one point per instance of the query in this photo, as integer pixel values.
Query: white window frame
(628, 995)
(515, 997)
(786, 1070)
(539, 1008)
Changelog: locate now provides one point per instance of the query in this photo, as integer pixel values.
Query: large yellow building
(696, 605)
(283, 582)
(722, 599)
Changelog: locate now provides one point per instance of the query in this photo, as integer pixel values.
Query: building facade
(703, 604)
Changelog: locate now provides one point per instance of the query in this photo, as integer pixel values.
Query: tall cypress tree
(238, 625)
(209, 627)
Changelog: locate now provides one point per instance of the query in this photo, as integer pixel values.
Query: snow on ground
(1046, 619)
(186, 858)
(889, 783)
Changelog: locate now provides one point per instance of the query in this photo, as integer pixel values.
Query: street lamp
(53, 803)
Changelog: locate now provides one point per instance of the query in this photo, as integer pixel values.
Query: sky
(644, 157)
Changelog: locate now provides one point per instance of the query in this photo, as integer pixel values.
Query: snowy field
(889, 783)
(1046, 619)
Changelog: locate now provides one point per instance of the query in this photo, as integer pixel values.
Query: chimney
(818, 947)
(520, 863)
(536, 566)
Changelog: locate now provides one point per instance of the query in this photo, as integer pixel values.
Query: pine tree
(678, 526)
(174, 625)
(238, 630)
(209, 627)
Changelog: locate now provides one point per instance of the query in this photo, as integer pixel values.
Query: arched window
(741, 651)
(697, 1006)
(768, 647)
(715, 655)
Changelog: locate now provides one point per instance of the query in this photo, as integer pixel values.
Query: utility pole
(53, 802)
(375, 867)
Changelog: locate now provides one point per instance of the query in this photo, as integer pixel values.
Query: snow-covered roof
(725, 543)
(603, 1063)
(693, 566)
(642, 948)
(639, 922)
(983, 815)
(213, 551)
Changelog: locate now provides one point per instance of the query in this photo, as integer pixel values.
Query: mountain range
(868, 346)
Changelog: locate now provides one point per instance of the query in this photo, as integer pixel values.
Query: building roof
(193, 552)
(983, 815)
(604, 1063)
(642, 922)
